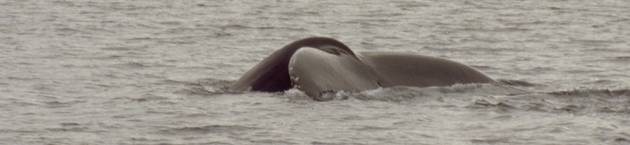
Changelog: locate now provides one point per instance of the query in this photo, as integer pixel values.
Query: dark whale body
(318, 65)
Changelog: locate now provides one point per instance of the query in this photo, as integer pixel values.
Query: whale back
(272, 73)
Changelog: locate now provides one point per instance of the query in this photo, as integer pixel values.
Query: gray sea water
(155, 72)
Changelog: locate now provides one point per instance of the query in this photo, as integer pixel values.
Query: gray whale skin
(320, 65)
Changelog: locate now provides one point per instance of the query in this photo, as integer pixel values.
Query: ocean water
(155, 72)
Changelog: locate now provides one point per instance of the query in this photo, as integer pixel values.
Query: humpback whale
(320, 65)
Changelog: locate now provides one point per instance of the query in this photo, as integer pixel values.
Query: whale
(319, 66)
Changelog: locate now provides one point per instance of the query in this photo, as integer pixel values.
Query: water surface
(153, 72)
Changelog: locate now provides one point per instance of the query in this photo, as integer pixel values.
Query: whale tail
(272, 73)
(319, 64)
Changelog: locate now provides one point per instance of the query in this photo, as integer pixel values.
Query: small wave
(390, 94)
(621, 58)
(67, 129)
(595, 100)
(407, 94)
(147, 98)
(573, 101)
(500, 140)
(116, 48)
(206, 87)
(131, 65)
(373, 128)
(517, 83)
(593, 92)
(393, 94)
(216, 86)
(334, 143)
(500, 97)
(208, 129)
(62, 104)
(491, 102)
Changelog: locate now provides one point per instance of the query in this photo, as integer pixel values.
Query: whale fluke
(318, 65)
